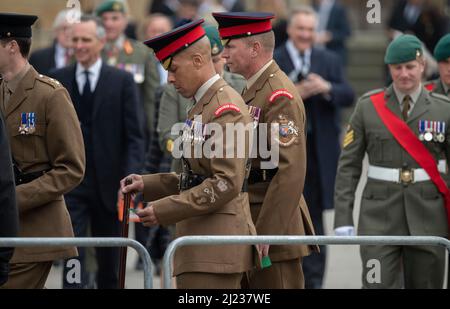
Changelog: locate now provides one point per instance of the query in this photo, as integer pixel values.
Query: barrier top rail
(295, 240)
(87, 242)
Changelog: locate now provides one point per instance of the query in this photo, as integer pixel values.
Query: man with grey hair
(111, 117)
(276, 199)
(60, 53)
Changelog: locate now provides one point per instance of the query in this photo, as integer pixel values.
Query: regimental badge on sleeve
(288, 131)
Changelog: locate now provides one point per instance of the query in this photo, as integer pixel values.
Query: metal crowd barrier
(87, 242)
(294, 240)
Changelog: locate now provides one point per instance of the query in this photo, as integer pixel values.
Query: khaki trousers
(209, 281)
(28, 276)
(281, 275)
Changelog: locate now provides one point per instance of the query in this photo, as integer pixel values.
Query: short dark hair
(23, 43)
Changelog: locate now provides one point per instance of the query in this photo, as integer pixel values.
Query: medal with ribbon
(255, 113)
(27, 123)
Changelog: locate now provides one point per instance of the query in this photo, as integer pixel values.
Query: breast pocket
(28, 148)
(381, 147)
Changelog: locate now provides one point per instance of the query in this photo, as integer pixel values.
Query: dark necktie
(406, 107)
(304, 69)
(87, 90)
(85, 108)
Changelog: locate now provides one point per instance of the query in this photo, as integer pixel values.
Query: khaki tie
(6, 95)
(406, 107)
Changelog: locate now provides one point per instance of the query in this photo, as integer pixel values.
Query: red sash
(409, 141)
(430, 87)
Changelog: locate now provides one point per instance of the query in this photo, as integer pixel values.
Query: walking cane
(125, 222)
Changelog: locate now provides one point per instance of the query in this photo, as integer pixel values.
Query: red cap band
(188, 39)
(254, 28)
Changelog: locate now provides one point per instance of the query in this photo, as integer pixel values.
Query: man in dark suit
(319, 79)
(60, 53)
(419, 18)
(111, 117)
(333, 28)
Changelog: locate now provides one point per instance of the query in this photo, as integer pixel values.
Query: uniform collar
(14, 83)
(118, 44)
(414, 96)
(446, 88)
(252, 80)
(204, 88)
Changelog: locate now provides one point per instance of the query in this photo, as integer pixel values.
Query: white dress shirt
(94, 75)
(60, 56)
(300, 65)
(205, 87)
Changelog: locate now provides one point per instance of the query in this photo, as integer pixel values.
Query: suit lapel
(71, 85)
(315, 62)
(100, 90)
(52, 56)
(421, 107)
(21, 93)
(287, 60)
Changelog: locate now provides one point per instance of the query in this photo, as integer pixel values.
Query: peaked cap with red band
(169, 44)
(242, 24)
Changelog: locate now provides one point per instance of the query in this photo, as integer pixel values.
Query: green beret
(403, 49)
(110, 6)
(442, 50)
(214, 38)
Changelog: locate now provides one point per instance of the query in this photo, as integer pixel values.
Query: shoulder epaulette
(439, 96)
(372, 92)
(49, 81)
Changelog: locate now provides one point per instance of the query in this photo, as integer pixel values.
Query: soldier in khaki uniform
(404, 131)
(276, 199)
(129, 55)
(47, 148)
(211, 201)
(173, 108)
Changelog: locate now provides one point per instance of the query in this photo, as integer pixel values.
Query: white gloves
(344, 231)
